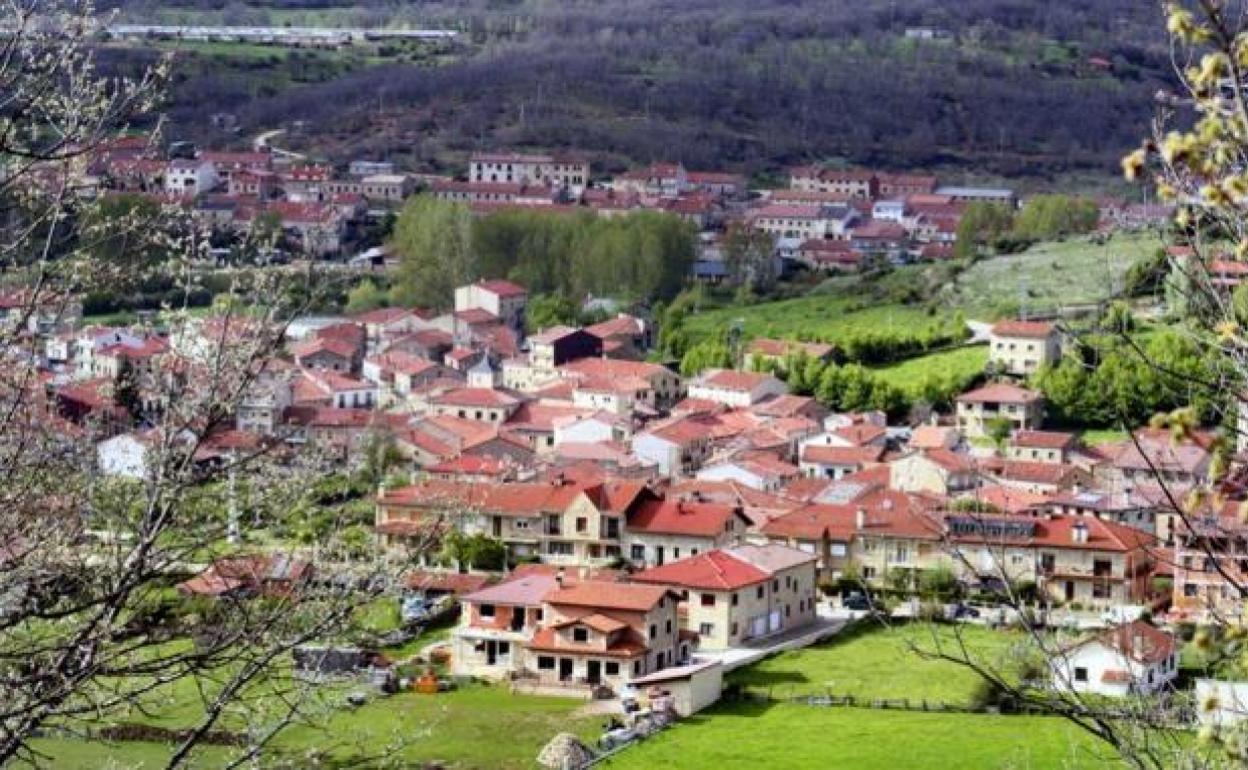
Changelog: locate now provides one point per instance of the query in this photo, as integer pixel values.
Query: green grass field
(817, 316)
(960, 364)
(746, 737)
(1050, 275)
(882, 663)
(464, 729)
(66, 754)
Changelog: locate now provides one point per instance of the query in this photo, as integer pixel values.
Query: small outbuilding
(693, 687)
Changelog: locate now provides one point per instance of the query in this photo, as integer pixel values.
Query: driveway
(823, 628)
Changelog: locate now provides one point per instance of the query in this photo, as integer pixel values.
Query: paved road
(979, 331)
(736, 657)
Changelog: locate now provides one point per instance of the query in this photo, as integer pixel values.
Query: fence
(1175, 716)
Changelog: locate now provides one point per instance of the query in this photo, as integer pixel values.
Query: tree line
(1000, 229)
(642, 255)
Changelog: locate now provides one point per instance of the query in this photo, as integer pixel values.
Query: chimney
(1079, 532)
(559, 577)
(860, 518)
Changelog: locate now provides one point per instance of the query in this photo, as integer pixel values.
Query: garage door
(758, 626)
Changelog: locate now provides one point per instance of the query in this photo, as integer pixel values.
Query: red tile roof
(503, 288)
(730, 379)
(1137, 640)
(1027, 329)
(712, 571)
(861, 434)
(839, 455)
(1000, 393)
(677, 517)
(611, 596)
(472, 397)
(1043, 439)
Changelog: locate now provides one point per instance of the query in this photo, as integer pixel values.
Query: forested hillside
(1020, 87)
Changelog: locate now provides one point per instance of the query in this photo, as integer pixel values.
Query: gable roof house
(934, 471)
(757, 470)
(1022, 408)
(658, 531)
(734, 388)
(596, 634)
(736, 595)
(1022, 348)
(1130, 659)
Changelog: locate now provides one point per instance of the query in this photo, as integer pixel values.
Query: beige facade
(730, 597)
(1025, 351)
(921, 472)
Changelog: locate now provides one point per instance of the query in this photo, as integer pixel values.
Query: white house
(126, 455)
(761, 472)
(733, 388)
(190, 177)
(590, 429)
(1130, 659)
(889, 211)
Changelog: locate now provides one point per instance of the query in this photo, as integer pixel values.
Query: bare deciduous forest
(1018, 88)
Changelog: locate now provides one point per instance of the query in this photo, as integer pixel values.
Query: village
(643, 534)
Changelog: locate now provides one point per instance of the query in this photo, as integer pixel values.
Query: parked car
(961, 611)
(857, 601)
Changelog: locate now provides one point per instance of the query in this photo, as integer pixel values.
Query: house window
(1081, 674)
(504, 648)
(486, 610)
(654, 630)
(706, 629)
(637, 552)
(545, 663)
(611, 668)
(582, 524)
(580, 634)
(735, 597)
(708, 600)
(760, 592)
(668, 626)
(734, 629)
(636, 668)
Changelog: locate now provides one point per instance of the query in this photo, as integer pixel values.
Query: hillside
(1026, 90)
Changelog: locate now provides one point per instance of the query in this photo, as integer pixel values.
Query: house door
(565, 668)
(773, 623)
(658, 554)
(593, 671)
(517, 618)
(491, 653)
(1070, 590)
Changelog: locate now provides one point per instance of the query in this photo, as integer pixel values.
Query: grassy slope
(132, 755)
(1073, 272)
(460, 728)
(746, 737)
(872, 663)
(817, 316)
(882, 663)
(959, 363)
